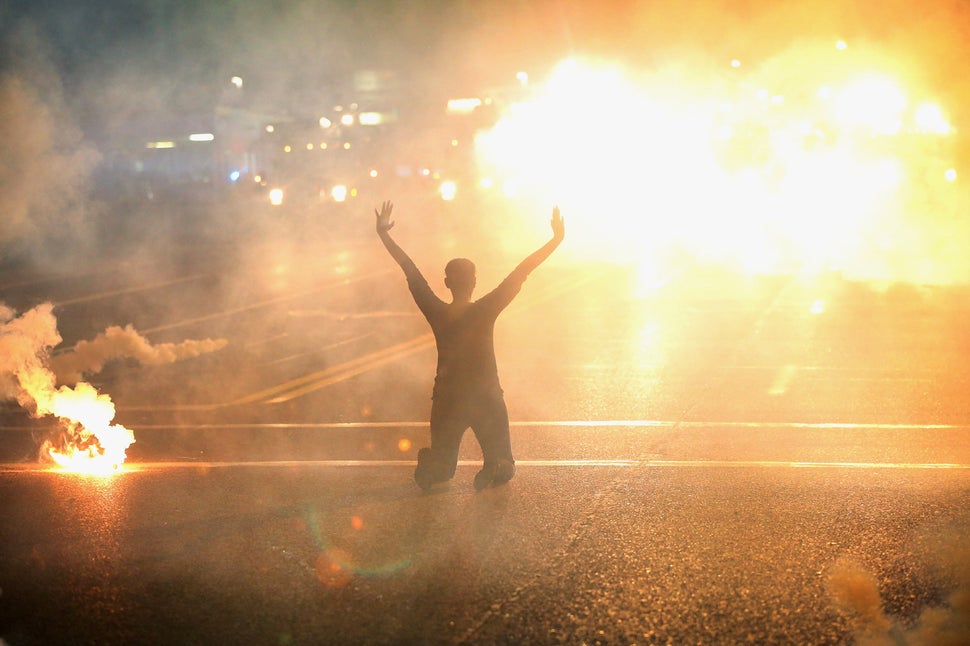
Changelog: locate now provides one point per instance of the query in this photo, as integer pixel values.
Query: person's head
(460, 276)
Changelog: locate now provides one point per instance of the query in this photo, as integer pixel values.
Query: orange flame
(91, 443)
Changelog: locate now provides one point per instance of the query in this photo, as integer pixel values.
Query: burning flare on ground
(88, 441)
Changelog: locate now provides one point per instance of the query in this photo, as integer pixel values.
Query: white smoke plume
(89, 357)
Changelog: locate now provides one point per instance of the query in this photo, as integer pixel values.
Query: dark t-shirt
(464, 334)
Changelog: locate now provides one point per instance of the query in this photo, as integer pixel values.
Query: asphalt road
(707, 458)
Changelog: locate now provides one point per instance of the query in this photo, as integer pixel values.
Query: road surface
(703, 457)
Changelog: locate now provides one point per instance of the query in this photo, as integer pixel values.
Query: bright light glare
(276, 196)
(339, 193)
(930, 119)
(202, 136)
(950, 175)
(875, 103)
(778, 179)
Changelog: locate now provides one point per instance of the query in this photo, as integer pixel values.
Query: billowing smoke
(89, 357)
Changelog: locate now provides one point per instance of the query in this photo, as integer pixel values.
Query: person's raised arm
(384, 226)
(534, 259)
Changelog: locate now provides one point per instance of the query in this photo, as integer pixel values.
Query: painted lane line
(582, 424)
(260, 304)
(129, 290)
(338, 372)
(346, 371)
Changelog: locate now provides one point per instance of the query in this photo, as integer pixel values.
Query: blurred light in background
(276, 196)
(339, 193)
(929, 119)
(448, 190)
(237, 81)
(463, 106)
(202, 136)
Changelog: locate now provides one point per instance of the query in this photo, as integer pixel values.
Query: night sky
(180, 54)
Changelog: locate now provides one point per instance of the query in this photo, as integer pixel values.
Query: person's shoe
(494, 474)
(428, 471)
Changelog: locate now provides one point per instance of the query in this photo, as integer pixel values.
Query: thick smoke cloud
(44, 161)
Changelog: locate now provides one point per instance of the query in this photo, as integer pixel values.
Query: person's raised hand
(384, 217)
(558, 226)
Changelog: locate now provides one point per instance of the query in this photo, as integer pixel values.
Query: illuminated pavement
(715, 460)
(576, 552)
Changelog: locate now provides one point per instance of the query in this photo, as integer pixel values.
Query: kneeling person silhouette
(467, 393)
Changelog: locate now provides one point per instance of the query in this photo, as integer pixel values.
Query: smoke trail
(88, 357)
(88, 441)
(855, 591)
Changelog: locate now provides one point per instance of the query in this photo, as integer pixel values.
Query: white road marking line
(339, 282)
(136, 467)
(129, 290)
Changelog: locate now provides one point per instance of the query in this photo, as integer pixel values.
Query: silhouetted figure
(466, 386)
